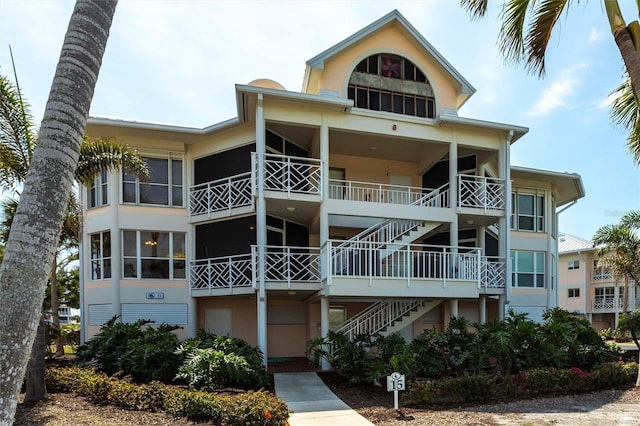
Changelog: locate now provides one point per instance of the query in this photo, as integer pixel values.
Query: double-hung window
(164, 187)
(97, 193)
(101, 255)
(527, 269)
(154, 255)
(527, 212)
(573, 264)
(573, 293)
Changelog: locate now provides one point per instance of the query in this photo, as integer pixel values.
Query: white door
(218, 321)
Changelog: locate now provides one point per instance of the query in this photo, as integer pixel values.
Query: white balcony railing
(290, 264)
(601, 274)
(293, 175)
(220, 195)
(392, 194)
(493, 272)
(282, 264)
(367, 259)
(221, 272)
(481, 192)
(606, 304)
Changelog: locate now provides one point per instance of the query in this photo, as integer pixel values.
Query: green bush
(213, 362)
(613, 374)
(606, 334)
(145, 354)
(539, 381)
(251, 408)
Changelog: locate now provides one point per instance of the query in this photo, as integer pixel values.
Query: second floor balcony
(301, 178)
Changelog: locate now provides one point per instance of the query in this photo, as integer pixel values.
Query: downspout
(261, 231)
(507, 216)
(81, 258)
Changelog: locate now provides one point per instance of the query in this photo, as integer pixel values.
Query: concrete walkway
(312, 403)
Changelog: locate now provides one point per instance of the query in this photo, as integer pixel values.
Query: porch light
(291, 209)
(150, 243)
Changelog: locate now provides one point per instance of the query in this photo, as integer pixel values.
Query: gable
(329, 72)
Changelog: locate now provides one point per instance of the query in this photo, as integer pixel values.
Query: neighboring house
(588, 287)
(66, 315)
(363, 203)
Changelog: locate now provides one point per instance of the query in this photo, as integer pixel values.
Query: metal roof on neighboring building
(568, 243)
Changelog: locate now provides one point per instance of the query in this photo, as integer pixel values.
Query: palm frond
(8, 210)
(511, 36)
(18, 136)
(476, 8)
(545, 16)
(631, 219)
(107, 154)
(624, 113)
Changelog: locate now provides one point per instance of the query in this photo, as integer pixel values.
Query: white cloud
(557, 95)
(594, 36)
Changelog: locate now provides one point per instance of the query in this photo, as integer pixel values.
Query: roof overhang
(512, 131)
(568, 186)
(247, 95)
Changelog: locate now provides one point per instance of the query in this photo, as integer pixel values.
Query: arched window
(385, 82)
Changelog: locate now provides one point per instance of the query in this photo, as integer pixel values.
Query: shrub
(251, 408)
(144, 354)
(213, 362)
(606, 334)
(613, 374)
(539, 381)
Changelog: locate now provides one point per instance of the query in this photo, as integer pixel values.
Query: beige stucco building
(363, 203)
(589, 287)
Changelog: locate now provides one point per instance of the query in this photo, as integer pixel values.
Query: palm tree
(526, 30)
(630, 322)
(619, 248)
(36, 228)
(17, 143)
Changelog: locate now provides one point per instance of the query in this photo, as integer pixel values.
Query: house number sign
(395, 383)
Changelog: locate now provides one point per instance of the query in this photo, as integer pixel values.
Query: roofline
(586, 249)
(554, 173)
(344, 104)
(518, 131)
(174, 128)
(318, 60)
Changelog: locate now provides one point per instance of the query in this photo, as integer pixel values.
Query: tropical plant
(17, 143)
(525, 33)
(619, 249)
(630, 322)
(36, 228)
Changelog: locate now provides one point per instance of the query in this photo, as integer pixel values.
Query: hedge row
(248, 408)
(540, 381)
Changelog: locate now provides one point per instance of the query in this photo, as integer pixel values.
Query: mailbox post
(395, 383)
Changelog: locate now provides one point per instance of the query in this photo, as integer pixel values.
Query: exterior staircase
(386, 316)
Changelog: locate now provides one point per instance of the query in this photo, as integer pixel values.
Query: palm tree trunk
(36, 228)
(36, 388)
(55, 306)
(630, 56)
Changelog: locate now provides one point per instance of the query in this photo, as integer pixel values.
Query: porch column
(116, 243)
(453, 306)
(482, 308)
(324, 157)
(192, 317)
(324, 327)
(501, 306)
(261, 231)
(453, 191)
(504, 225)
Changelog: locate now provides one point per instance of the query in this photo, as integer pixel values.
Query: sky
(177, 62)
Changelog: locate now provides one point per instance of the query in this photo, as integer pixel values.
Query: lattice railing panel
(292, 174)
(222, 194)
(481, 192)
(221, 272)
(494, 272)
